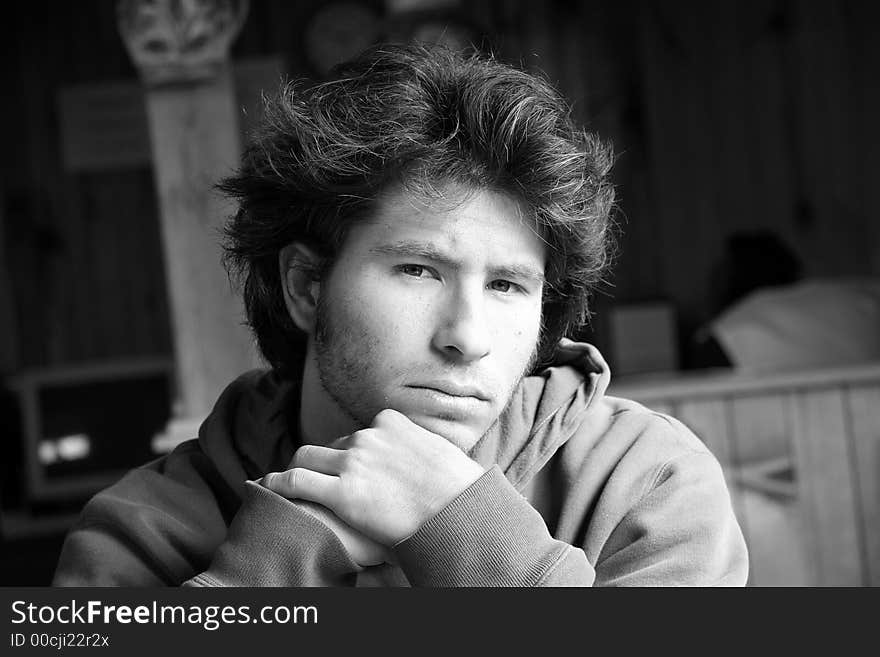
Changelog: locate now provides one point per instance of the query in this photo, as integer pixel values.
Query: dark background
(727, 117)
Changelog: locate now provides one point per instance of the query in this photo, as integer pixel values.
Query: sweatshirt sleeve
(490, 536)
(123, 540)
(682, 532)
(275, 542)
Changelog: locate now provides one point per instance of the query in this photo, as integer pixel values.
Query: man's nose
(463, 334)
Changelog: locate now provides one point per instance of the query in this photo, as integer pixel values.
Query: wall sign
(103, 126)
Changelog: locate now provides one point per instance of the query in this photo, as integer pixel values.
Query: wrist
(455, 484)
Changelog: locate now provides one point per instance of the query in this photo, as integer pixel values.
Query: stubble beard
(339, 374)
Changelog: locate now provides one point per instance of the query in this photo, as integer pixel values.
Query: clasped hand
(384, 481)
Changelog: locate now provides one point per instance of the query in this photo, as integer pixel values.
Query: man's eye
(501, 286)
(412, 270)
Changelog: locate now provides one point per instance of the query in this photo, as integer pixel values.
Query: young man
(416, 238)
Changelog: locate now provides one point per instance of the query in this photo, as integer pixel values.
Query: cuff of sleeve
(273, 542)
(488, 536)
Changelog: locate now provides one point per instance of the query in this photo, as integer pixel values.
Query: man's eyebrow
(417, 249)
(432, 253)
(518, 272)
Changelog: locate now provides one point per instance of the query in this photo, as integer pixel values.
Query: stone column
(181, 50)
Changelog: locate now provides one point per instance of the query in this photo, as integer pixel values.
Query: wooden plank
(103, 249)
(8, 319)
(824, 117)
(862, 22)
(577, 48)
(767, 117)
(768, 518)
(82, 282)
(775, 529)
(537, 41)
(761, 430)
(762, 474)
(710, 421)
(864, 406)
(728, 382)
(825, 484)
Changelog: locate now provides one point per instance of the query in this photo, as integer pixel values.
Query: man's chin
(461, 435)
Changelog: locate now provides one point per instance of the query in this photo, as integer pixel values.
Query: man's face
(434, 311)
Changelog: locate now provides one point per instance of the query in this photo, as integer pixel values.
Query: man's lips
(453, 389)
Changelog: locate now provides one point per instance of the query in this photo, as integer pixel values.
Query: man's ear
(298, 265)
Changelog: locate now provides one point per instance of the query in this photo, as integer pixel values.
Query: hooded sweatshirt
(579, 489)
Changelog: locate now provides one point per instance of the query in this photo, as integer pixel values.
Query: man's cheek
(523, 347)
(382, 315)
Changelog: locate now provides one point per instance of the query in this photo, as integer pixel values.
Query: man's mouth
(453, 389)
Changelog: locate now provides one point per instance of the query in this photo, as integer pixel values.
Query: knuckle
(359, 456)
(302, 453)
(387, 415)
(293, 476)
(361, 437)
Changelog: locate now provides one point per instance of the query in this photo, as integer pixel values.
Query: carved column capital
(179, 41)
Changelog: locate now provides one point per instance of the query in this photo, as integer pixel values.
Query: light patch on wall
(67, 448)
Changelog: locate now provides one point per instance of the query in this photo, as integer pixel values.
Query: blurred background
(745, 298)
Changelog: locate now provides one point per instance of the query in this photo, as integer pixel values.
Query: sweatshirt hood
(545, 411)
(247, 433)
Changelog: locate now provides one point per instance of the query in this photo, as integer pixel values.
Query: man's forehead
(447, 197)
(460, 218)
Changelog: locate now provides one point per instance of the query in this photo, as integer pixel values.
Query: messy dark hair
(424, 118)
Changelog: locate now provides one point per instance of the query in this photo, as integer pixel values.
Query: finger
(303, 484)
(319, 459)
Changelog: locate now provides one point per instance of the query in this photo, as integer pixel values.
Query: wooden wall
(726, 116)
(81, 249)
(758, 115)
